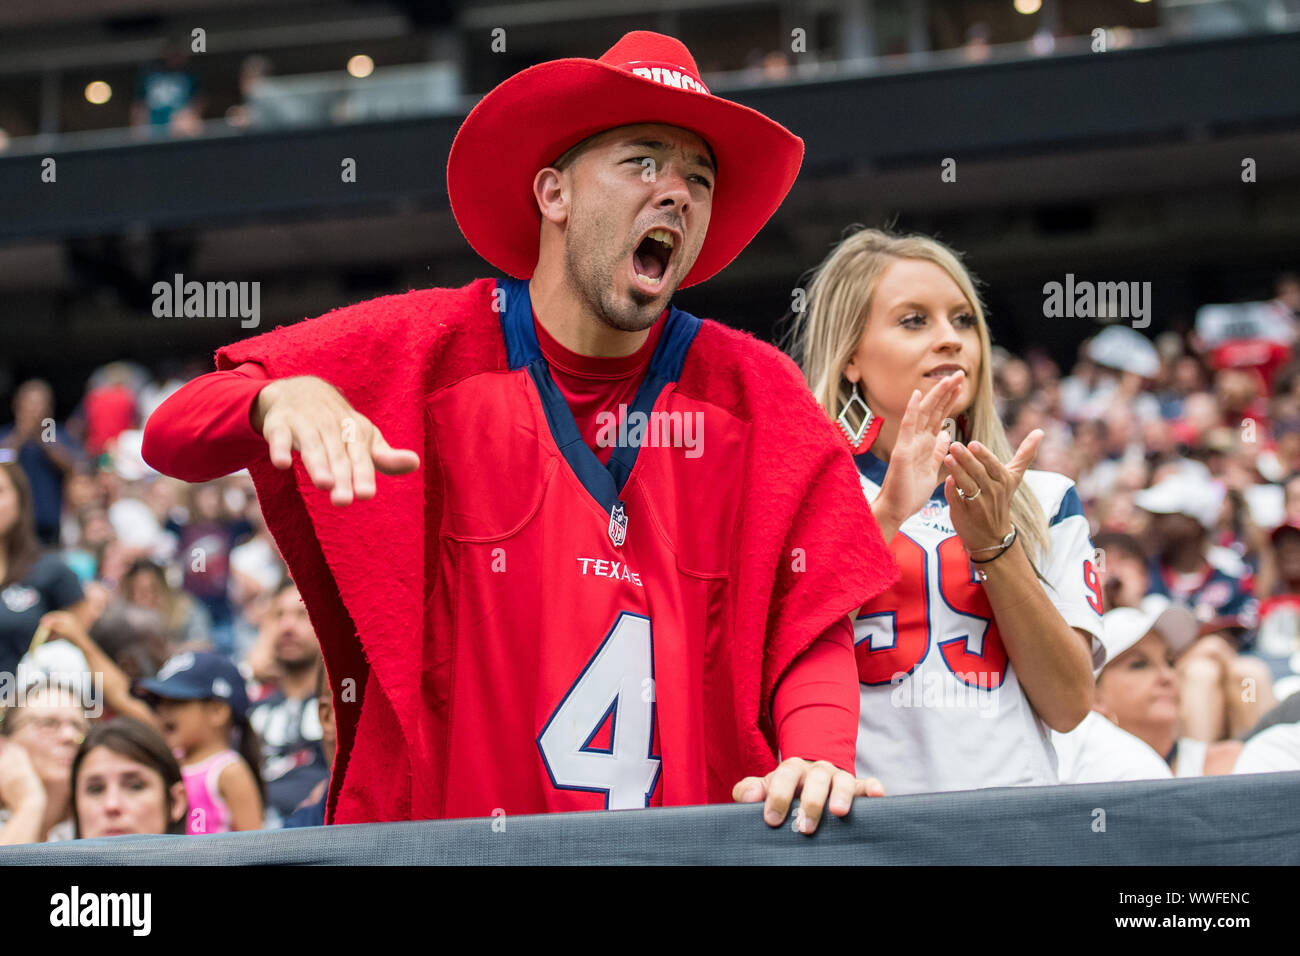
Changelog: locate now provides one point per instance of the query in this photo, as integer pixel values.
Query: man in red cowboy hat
(607, 567)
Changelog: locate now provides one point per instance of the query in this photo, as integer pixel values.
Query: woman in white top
(988, 639)
(1136, 690)
(1138, 701)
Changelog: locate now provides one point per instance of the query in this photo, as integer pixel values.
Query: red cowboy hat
(531, 119)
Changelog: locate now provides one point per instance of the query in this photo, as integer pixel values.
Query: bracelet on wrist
(1004, 548)
(1007, 540)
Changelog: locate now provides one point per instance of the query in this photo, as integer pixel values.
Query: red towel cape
(361, 569)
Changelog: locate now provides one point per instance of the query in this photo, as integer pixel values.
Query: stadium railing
(1237, 820)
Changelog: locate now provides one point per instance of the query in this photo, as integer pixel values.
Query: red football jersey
(571, 617)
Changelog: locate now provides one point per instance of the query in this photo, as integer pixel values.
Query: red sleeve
(815, 706)
(203, 430)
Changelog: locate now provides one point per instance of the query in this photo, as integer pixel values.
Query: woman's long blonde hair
(826, 332)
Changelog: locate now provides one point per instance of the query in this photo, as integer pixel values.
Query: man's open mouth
(652, 258)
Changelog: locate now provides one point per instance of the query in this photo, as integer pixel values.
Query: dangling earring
(854, 406)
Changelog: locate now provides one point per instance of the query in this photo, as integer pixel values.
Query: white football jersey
(941, 706)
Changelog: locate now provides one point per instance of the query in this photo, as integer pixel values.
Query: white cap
(1121, 347)
(128, 456)
(1122, 627)
(55, 661)
(1183, 493)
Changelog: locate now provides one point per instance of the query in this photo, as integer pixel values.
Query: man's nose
(673, 186)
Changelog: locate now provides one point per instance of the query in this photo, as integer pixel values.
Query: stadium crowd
(212, 711)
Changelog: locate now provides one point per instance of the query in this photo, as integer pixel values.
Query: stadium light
(98, 92)
(1027, 6)
(361, 66)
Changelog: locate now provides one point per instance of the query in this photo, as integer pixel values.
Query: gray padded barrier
(1238, 820)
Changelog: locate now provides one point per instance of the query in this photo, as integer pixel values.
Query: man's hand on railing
(813, 783)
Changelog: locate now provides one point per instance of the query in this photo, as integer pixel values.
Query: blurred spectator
(1286, 435)
(1255, 338)
(202, 709)
(204, 546)
(311, 812)
(1042, 43)
(136, 527)
(1119, 513)
(1200, 417)
(977, 49)
(1240, 396)
(114, 561)
(1112, 371)
(1224, 692)
(125, 780)
(257, 572)
(1136, 689)
(167, 98)
(45, 451)
(252, 78)
(1215, 584)
(164, 496)
(79, 494)
(287, 719)
(94, 531)
(1212, 581)
(134, 638)
(109, 408)
(32, 581)
(185, 620)
(766, 67)
(47, 724)
(1089, 452)
(1278, 642)
(1044, 370)
(1125, 574)
(1187, 377)
(256, 564)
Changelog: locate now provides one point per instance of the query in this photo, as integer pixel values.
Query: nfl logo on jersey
(618, 525)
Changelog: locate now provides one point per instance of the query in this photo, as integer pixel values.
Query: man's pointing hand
(340, 447)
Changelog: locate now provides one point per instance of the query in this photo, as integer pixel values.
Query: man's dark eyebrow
(697, 158)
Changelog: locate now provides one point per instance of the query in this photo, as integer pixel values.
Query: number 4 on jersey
(616, 686)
